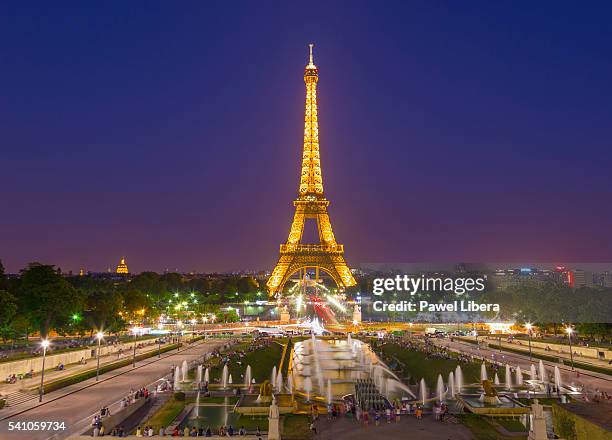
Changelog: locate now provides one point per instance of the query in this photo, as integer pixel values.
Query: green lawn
(261, 361)
(219, 400)
(541, 400)
(512, 425)
(416, 365)
(483, 430)
(166, 414)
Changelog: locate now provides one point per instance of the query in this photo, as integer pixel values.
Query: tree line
(41, 300)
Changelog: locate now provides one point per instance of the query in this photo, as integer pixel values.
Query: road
(590, 380)
(75, 405)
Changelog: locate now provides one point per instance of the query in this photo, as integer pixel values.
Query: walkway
(76, 404)
(524, 346)
(408, 428)
(25, 389)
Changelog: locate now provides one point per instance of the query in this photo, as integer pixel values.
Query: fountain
(440, 388)
(558, 383)
(483, 372)
(459, 378)
(185, 370)
(329, 390)
(451, 384)
(230, 380)
(247, 377)
(496, 379)
(289, 385)
(199, 375)
(508, 378)
(206, 376)
(177, 379)
(279, 382)
(197, 405)
(224, 377)
(273, 377)
(349, 340)
(543, 376)
(423, 392)
(532, 372)
(308, 388)
(519, 376)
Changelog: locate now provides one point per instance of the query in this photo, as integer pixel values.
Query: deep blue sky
(171, 132)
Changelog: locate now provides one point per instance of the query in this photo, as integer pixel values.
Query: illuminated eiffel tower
(311, 204)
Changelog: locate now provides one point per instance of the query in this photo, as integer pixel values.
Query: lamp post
(529, 326)
(134, 329)
(158, 348)
(179, 325)
(99, 335)
(44, 343)
(569, 330)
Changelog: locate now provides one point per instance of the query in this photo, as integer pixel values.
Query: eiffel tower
(311, 204)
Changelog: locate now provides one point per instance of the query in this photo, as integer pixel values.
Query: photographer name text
(426, 306)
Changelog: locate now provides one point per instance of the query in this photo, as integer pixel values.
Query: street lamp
(134, 330)
(569, 330)
(179, 325)
(99, 335)
(44, 344)
(529, 326)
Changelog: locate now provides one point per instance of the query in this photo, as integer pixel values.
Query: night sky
(171, 132)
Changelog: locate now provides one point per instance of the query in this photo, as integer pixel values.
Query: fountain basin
(250, 405)
(505, 406)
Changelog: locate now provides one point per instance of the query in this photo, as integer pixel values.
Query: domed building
(122, 268)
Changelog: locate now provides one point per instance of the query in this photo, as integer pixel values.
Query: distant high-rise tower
(311, 204)
(122, 267)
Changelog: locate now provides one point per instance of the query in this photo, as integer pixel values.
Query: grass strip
(165, 415)
(483, 430)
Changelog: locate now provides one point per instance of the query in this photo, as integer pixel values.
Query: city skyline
(438, 143)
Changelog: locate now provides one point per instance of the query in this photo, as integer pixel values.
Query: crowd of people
(223, 431)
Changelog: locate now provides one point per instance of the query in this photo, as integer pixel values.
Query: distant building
(563, 275)
(505, 278)
(122, 268)
(583, 278)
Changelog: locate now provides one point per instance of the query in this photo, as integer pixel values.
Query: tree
(3, 279)
(8, 310)
(47, 298)
(8, 307)
(102, 310)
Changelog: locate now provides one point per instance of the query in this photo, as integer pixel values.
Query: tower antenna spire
(311, 64)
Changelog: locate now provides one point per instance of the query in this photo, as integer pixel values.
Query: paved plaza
(409, 427)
